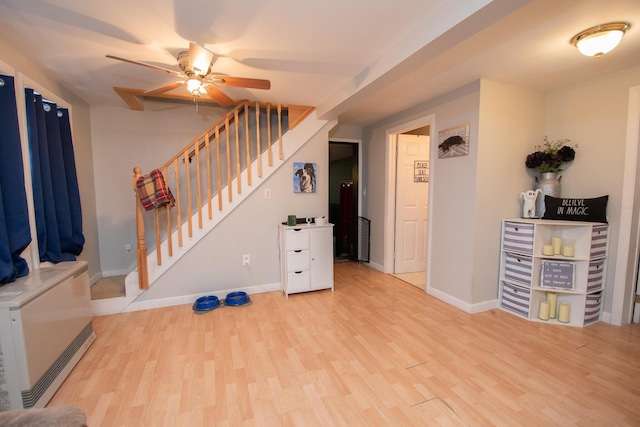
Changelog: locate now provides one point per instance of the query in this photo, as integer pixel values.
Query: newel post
(141, 252)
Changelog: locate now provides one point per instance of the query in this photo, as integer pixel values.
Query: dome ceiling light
(598, 40)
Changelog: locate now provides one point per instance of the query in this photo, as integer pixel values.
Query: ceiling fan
(195, 73)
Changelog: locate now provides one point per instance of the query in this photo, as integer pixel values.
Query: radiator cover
(45, 328)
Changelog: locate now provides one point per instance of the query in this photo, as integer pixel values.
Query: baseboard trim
(462, 305)
(189, 299)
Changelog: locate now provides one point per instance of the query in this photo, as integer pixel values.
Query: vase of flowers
(548, 160)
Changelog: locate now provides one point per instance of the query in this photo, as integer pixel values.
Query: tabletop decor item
(548, 160)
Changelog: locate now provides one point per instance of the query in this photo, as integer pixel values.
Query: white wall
(470, 194)
(122, 139)
(593, 114)
(215, 263)
(453, 192)
(83, 151)
(511, 123)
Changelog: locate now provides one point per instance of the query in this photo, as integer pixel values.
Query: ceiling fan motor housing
(183, 63)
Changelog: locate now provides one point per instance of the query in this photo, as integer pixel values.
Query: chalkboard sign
(558, 275)
(593, 210)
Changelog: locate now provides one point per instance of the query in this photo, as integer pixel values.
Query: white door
(412, 191)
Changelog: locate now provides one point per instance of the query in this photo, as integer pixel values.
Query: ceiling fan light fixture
(598, 40)
(194, 85)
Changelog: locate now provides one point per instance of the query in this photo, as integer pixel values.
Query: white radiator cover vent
(45, 328)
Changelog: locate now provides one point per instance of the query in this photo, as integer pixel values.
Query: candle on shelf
(552, 297)
(543, 312)
(563, 312)
(556, 242)
(547, 250)
(568, 249)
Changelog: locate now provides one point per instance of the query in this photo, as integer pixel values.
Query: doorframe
(626, 268)
(390, 191)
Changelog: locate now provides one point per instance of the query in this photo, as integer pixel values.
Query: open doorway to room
(408, 188)
(344, 159)
(412, 196)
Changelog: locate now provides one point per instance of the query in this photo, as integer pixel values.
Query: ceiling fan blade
(144, 64)
(242, 82)
(165, 88)
(199, 59)
(218, 96)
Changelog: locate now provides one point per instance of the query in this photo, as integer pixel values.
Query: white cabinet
(530, 272)
(306, 257)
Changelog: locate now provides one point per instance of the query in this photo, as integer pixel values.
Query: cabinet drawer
(592, 308)
(596, 275)
(518, 268)
(296, 238)
(599, 241)
(518, 237)
(298, 281)
(298, 260)
(516, 299)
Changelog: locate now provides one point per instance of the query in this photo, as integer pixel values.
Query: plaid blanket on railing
(153, 191)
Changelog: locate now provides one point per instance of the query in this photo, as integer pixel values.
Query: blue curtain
(56, 196)
(15, 235)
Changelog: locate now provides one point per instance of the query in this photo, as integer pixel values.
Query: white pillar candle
(557, 244)
(547, 250)
(568, 251)
(552, 298)
(563, 313)
(543, 312)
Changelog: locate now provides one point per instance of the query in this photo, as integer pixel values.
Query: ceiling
(358, 60)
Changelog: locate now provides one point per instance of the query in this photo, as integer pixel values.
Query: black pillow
(593, 210)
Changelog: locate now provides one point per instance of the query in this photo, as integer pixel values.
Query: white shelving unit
(581, 281)
(306, 257)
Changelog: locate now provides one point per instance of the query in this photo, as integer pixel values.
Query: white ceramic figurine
(529, 205)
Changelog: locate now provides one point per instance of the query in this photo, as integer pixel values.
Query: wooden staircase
(210, 177)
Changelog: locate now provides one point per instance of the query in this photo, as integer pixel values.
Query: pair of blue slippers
(210, 302)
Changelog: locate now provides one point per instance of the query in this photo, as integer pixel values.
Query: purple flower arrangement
(551, 155)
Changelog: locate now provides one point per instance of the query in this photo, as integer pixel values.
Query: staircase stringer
(293, 140)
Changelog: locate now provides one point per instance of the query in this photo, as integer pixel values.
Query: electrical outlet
(127, 248)
(246, 260)
(267, 193)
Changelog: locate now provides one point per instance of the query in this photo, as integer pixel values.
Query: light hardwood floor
(377, 352)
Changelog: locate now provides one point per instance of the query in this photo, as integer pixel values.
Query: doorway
(421, 126)
(412, 195)
(344, 201)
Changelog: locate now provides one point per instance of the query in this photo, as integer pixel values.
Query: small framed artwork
(453, 142)
(304, 177)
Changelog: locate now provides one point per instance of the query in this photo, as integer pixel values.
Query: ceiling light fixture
(194, 84)
(598, 40)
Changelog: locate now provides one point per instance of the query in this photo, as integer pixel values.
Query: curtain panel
(15, 234)
(56, 194)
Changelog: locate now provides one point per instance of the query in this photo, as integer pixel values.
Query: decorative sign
(594, 209)
(558, 275)
(421, 171)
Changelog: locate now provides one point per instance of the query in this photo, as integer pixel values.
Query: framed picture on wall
(453, 142)
(304, 177)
